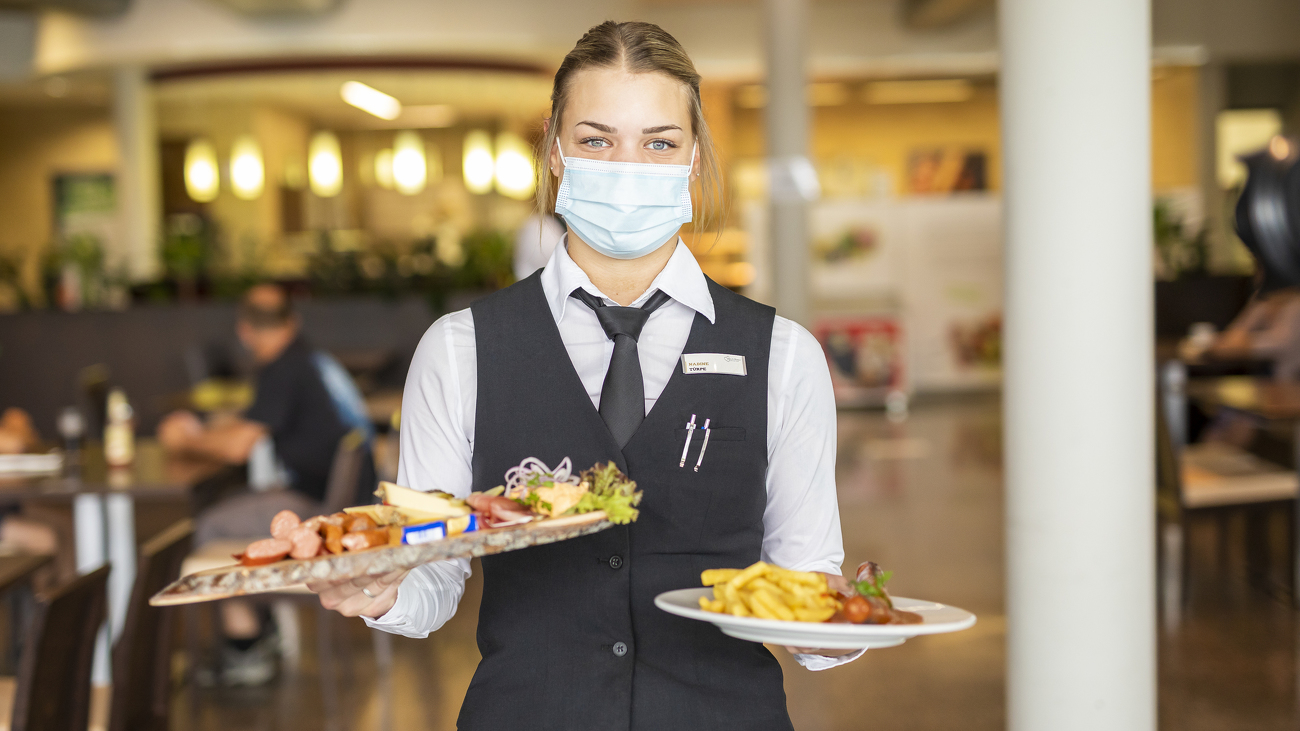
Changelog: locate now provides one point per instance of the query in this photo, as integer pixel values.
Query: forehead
(627, 101)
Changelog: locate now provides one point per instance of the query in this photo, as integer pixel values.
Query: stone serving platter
(238, 580)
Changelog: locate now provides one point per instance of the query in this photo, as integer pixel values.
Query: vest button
(616, 562)
(620, 649)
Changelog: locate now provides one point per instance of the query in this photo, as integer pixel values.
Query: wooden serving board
(239, 580)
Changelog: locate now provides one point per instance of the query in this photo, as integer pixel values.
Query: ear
(695, 159)
(553, 155)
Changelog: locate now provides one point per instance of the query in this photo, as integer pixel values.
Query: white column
(88, 526)
(1078, 373)
(138, 189)
(120, 539)
(792, 181)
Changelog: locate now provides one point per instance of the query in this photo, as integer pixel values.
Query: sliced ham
(497, 510)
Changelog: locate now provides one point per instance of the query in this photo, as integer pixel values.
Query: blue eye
(595, 142)
(661, 145)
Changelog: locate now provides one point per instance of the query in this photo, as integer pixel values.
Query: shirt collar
(681, 278)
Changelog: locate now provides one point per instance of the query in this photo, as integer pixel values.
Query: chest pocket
(721, 434)
(724, 499)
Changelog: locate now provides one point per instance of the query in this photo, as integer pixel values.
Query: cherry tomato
(856, 610)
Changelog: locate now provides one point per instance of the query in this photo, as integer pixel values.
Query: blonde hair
(639, 48)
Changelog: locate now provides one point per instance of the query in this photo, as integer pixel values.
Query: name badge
(732, 365)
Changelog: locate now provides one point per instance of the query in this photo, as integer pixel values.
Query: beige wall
(35, 145)
(885, 135)
(1174, 142)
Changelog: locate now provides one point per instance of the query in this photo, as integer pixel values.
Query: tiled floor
(924, 499)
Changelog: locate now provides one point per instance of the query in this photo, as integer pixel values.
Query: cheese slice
(439, 505)
(560, 497)
(392, 515)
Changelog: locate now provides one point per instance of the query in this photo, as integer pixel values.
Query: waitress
(584, 360)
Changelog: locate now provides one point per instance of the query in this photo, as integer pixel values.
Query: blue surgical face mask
(624, 210)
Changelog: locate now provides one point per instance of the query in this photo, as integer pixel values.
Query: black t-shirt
(293, 404)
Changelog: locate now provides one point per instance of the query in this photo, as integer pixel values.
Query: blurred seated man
(1267, 329)
(304, 404)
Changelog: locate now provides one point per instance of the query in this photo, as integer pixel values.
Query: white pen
(690, 430)
(703, 446)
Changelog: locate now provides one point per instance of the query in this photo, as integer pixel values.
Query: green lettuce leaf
(609, 489)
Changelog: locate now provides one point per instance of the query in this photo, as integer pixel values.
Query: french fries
(769, 592)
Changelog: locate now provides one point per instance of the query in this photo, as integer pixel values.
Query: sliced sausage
(267, 550)
(306, 542)
(283, 523)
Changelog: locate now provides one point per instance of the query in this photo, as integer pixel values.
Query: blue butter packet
(414, 535)
(437, 530)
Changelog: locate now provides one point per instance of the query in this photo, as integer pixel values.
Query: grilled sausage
(283, 523)
(267, 550)
(333, 538)
(306, 542)
(361, 540)
(357, 523)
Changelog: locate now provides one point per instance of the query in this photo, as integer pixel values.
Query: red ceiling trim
(281, 65)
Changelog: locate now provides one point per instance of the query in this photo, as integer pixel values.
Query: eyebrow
(647, 131)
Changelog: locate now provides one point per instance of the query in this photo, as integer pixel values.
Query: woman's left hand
(841, 586)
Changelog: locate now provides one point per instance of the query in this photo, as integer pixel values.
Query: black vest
(569, 633)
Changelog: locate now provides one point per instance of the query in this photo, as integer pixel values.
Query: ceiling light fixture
(410, 170)
(247, 174)
(477, 164)
(325, 165)
(202, 179)
(369, 99)
(514, 167)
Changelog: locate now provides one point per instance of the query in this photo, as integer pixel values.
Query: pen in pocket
(690, 430)
(703, 446)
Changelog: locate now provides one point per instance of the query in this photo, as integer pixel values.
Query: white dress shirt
(801, 524)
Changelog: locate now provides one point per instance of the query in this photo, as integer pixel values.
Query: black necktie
(622, 398)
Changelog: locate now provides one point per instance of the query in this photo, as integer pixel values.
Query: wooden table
(1266, 399)
(1262, 397)
(103, 510)
(18, 568)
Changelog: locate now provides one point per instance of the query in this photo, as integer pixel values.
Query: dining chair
(1196, 481)
(142, 656)
(52, 690)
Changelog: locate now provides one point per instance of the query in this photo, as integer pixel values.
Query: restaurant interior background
(157, 157)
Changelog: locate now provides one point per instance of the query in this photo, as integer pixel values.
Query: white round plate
(939, 618)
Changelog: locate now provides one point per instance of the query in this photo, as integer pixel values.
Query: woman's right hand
(348, 598)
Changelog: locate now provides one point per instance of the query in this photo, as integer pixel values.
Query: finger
(391, 578)
(350, 599)
(370, 606)
(335, 596)
(320, 586)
